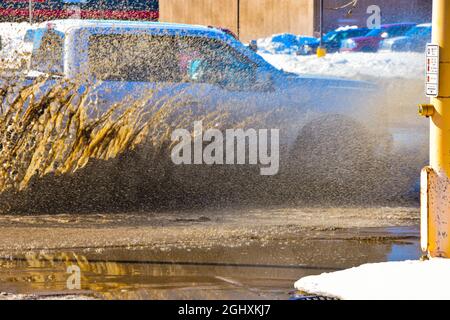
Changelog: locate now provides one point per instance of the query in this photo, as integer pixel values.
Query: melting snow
(357, 65)
(408, 280)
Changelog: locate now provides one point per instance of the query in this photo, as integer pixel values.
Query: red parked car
(371, 41)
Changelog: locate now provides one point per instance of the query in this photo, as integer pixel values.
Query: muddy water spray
(49, 141)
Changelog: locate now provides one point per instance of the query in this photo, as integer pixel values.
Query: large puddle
(251, 271)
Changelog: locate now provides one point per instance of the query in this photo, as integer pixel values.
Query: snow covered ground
(280, 50)
(353, 65)
(409, 280)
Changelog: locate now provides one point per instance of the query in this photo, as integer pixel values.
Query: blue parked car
(332, 40)
(414, 40)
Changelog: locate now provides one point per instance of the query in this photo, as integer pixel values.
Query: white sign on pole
(432, 70)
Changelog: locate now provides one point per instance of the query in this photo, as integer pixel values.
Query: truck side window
(160, 58)
(48, 57)
(216, 62)
(133, 57)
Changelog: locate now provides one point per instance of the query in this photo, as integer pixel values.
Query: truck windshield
(47, 56)
(150, 58)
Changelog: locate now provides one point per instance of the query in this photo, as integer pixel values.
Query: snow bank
(357, 65)
(409, 280)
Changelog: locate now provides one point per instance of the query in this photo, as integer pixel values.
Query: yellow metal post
(436, 178)
(321, 52)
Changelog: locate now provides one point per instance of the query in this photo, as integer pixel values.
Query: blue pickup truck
(328, 122)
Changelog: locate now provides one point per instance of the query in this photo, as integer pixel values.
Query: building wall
(221, 13)
(260, 18)
(257, 18)
(417, 11)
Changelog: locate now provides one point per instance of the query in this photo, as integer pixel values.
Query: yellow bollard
(435, 195)
(321, 52)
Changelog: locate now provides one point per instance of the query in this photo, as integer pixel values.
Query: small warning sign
(432, 69)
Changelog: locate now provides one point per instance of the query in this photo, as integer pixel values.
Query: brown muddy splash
(55, 157)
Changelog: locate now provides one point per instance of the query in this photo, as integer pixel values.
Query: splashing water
(53, 148)
(61, 153)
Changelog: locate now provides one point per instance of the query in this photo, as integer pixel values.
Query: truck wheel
(332, 152)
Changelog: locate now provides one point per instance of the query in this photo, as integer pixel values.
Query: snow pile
(285, 43)
(345, 28)
(409, 280)
(357, 65)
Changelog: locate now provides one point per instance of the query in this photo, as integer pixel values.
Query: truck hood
(324, 94)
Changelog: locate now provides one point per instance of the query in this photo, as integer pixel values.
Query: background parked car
(415, 39)
(371, 41)
(332, 40)
(285, 43)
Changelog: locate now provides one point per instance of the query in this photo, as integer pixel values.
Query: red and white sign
(432, 69)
